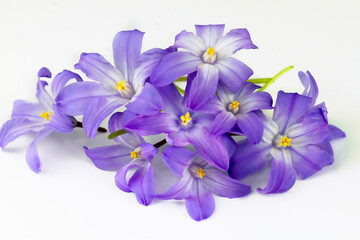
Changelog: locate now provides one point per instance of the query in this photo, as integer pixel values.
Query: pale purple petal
(174, 66)
(252, 126)
(312, 130)
(16, 127)
(200, 204)
(32, 155)
(220, 184)
(210, 34)
(59, 121)
(25, 109)
(233, 73)
(255, 101)
(209, 147)
(178, 138)
(245, 90)
(282, 174)
(44, 72)
(61, 79)
(148, 151)
(116, 123)
(290, 109)
(223, 123)
(98, 109)
(190, 42)
(228, 142)
(232, 42)
(180, 190)
(177, 159)
(203, 86)
(172, 100)
(109, 157)
(142, 184)
(127, 48)
(309, 159)
(148, 102)
(74, 99)
(152, 125)
(336, 132)
(249, 159)
(311, 89)
(226, 96)
(97, 68)
(43, 96)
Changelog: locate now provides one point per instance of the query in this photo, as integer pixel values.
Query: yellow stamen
(185, 118)
(201, 173)
(235, 105)
(285, 141)
(46, 115)
(134, 154)
(121, 85)
(210, 51)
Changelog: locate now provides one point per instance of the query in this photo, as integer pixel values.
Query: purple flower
(236, 112)
(296, 141)
(182, 127)
(131, 153)
(198, 182)
(209, 54)
(42, 117)
(114, 86)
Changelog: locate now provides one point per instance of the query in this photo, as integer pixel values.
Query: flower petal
(109, 157)
(148, 102)
(127, 48)
(180, 190)
(142, 184)
(97, 68)
(74, 99)
(336, 132)
(178, 139)
(224, 186)
(177, 159)
(59, 121)
(16, 127)
(223, 123)
(190, 42)
(25, 109)
(173, 66)
(255, 101)
(311, 89)
(200, 204)
(233, 73)
(98, 109)
(61, 79)
(282, 174)
(43, 96)
(209, 147)
(232, 42)
(290, 109)
(309, 159)
(203, 87)
(249, 159)
(116, 123)
(148, 151)
(210, 34)
(152, 125)
(172, 100)
(312, 130)
(32, 155)
(252, 126)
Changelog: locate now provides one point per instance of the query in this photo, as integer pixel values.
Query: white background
(71, 199)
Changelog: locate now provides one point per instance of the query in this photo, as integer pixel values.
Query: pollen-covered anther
(136, 153)
(285, 141)
(125, 89)
(186, 119)
(209, 56)
(234, 107)
(46, 115)
(201, 172)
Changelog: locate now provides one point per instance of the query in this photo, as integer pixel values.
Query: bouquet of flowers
(198, 123)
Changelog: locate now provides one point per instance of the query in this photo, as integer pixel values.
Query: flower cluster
(198, 123)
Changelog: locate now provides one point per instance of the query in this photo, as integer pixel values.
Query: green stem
(182, 79)
(276, 77)
(116, 134)
(259, 80)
